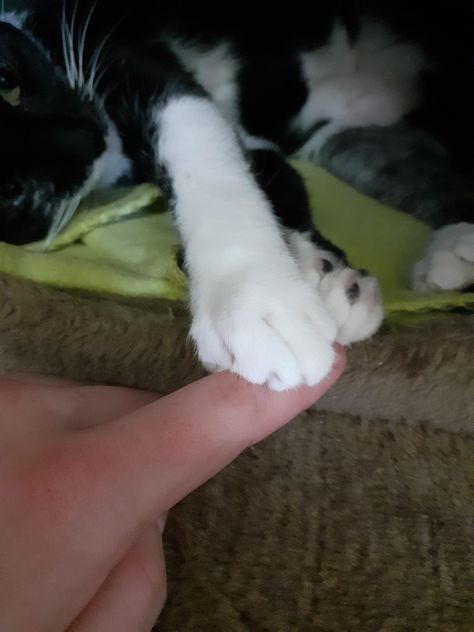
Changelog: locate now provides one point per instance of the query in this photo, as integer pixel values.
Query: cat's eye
(10, 191)
(10, 90)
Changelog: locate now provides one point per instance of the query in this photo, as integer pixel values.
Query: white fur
(106, 171)
(253, 312)
(449, 260)
(356, 320)
(112, 165)
(310, 258)
(215, 69)
(253, 143)
(372, 81)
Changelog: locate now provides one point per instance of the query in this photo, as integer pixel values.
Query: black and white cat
(208, 101)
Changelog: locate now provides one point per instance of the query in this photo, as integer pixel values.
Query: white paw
(449, 260)
(270, 328)
(352, 297)
(354, 301)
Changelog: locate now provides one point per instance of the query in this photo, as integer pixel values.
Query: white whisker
(73, 41)
(62, 217)
(96, 64)
(65, 36)
(53, 230)
(68, 37)
(70, 211)
(82, 43)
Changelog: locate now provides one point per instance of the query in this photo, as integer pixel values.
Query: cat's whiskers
(64, 43)
(74, 44)
(83, 75)
(97, 69)
(69, 53)
(82, 42)
(62, 217)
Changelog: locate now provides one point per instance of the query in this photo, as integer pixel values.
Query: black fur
(49, 143)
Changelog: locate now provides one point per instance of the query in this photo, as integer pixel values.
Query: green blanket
(123, 242)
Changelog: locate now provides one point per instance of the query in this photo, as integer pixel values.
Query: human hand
(86, 475)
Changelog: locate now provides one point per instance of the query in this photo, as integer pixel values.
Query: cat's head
(53, 140)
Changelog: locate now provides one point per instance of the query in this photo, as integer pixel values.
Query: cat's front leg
(253, 312)
(352, 297)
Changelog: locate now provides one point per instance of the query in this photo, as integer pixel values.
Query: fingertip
(270, 410)
(185, 438)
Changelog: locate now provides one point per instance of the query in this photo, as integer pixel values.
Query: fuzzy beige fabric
(335, 524)
(418, 373)
(356, 517)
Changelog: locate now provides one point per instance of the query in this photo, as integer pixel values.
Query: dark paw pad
(328, 266)
(353, 292)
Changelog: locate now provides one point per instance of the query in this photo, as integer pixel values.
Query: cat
(209, 102)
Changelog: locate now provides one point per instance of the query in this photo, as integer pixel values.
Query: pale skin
(87, 476)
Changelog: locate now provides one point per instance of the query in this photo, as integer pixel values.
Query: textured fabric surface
(423, 372)
(335, 524)
(358, 517)
(122, 242)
